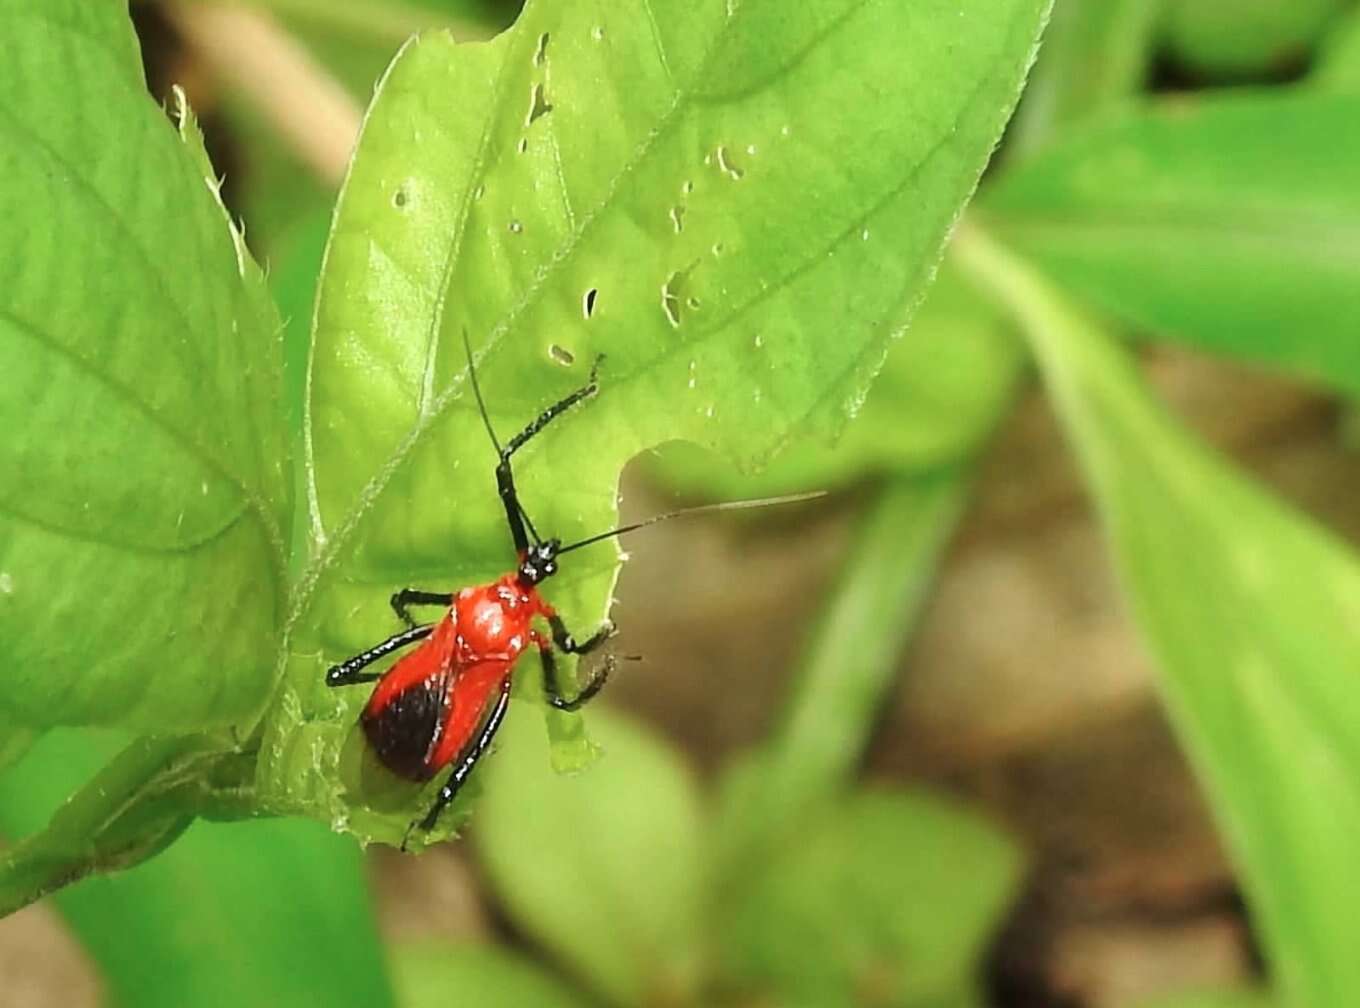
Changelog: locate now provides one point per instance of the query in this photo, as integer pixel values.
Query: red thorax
(429, 704)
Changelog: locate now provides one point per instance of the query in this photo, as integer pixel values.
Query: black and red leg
(553, 692)
(467, 760)
(521, 527)
(348, 672)
(407, 597)
(565, 642)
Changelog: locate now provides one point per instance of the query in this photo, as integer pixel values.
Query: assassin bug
(441, 704)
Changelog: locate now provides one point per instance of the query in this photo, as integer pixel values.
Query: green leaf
(1239, 38)
(710, 171)
(143, 514)
(1096, 55)
(1338, 68)
(602, 868)
(432, 974)
(355, 40)
(885, 899)
(942, 389)
(845, 669)
(130, 810)
(14, 742)
(258, 913)
(367, 27)
(293, 282)
(1253, 614)
(276, 193)
(252, 913)
(1162, 216)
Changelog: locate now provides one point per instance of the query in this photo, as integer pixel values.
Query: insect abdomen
(402, 731)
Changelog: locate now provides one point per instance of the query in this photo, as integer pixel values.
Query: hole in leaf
(523, 145)
(673, 293)
(588, 302)
(399, 198)
(670, 298)
(541, 53)
(561, 355)
(516, 227)
(726, 165)
(678, 218)
(538, 103)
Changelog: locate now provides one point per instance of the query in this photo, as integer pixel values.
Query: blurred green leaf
(943, 386)
(709, 172)
(1230, 223)
(846, 667)
(1096, 55)
(885, 899)
(14, 742)
(1237, 38)
(129, 810)
(603, 868)
(436, 974)
(1213, 999)
(253, 913)
(1254, 616)
(1338, 68)
(356, 40)
(293, 281)
(391, 22)
(296, 267)
(144, 511)
(276, 193)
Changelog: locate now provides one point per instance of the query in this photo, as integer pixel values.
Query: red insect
(441, 704)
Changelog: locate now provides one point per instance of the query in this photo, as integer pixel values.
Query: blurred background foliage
(968, 795)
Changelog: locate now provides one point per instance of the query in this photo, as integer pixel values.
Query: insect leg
(598, 677)
(414, 596)
(347, 672)
(564, 640)
(505, 477)
(467, 760)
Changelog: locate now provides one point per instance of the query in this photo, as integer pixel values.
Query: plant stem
(848, 664)
(129, 811)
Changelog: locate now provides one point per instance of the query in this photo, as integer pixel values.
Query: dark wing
(405, 716)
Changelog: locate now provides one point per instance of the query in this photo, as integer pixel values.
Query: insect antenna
(477, 391)
(738, 505)
(491, 431)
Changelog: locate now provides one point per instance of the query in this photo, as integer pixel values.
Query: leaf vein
(128, 396)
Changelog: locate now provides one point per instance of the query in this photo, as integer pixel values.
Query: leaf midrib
(192, 447)
(374, 488)
(249, 501)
